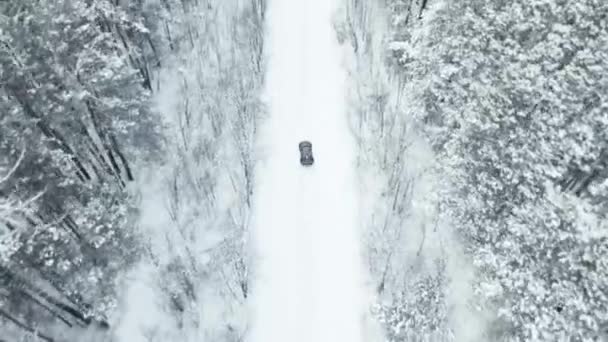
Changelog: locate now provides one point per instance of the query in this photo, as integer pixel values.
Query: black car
(306, 158)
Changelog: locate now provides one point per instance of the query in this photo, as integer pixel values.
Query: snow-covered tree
(210, 86)
(514, 101)
(402, 234)
(419, 312)
(75, 119)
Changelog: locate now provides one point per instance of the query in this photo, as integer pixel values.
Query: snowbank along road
(307, 283)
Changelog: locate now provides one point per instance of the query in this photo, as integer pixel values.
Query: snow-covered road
(307, 283)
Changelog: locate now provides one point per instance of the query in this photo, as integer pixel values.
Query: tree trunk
(23, 326)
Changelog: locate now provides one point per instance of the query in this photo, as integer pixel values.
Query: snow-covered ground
(308, 276)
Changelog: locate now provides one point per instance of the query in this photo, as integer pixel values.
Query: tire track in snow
(307, 283)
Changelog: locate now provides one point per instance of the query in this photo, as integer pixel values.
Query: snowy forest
(128, 153)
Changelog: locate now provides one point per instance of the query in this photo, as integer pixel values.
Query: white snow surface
(308, 273)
